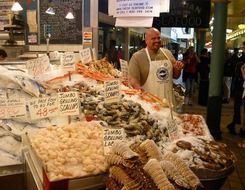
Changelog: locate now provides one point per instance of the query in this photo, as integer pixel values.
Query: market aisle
(236, 181)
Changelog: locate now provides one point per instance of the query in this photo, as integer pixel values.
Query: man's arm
(177, 65)
(134, 73)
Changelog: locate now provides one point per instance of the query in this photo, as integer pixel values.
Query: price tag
(12, 108)
(111, 136)
(43, 107)
(54, 56)
(172, 129)
(68, 61)
(112, 91)
(85, 55)
(16, 107)
(68, 103)
(124, 69)
(39, 66)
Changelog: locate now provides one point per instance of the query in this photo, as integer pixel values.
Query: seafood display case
(69, 152)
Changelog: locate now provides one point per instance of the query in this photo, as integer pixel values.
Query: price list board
(63, 31)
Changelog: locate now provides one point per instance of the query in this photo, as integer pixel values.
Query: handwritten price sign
(68, 61)
(12, 108)
(85, 55)
(172, 129)
(38, 66)
(111, 136)
(112, 89)
(124, 69)
(43, 107)
(69, 103)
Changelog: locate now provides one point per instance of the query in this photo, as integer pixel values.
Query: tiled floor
(235, 181)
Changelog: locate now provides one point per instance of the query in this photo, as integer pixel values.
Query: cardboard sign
(112, 91)
(172, 129)
(12, 108)
(38, 66)
(124, 69)
(43, 107)
(85, 55)
(68, 61)
(111, 136)
(68, 103)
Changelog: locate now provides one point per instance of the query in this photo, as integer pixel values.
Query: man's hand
(177, 67)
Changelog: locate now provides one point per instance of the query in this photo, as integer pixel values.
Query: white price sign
(54, 56)
(12, 108)
(69, 103)
(38, 66)
(85, 55)
(68, 61)
(137, 8)
(172, 129)
(16, 107)
(112, 91)
(111, 136)
(124, 69)
(43, 107)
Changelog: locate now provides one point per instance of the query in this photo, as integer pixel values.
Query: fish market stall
(66, 122)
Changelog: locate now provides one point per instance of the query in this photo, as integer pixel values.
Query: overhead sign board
(192, 14)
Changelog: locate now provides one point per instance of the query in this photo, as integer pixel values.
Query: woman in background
(190, 61)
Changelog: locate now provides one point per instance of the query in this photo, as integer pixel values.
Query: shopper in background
(190, 60)
(3, 54)
(203, 70)
(229, 70)
(111, 54)
(119, 56)
(238, 91)
(152, 68)
(242, 130)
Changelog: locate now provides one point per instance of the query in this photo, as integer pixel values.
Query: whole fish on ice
(18, 80)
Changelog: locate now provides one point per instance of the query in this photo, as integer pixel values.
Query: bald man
(153, 68)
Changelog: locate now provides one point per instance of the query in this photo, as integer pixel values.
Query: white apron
(159, 81)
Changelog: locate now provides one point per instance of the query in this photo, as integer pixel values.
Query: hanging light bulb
(16, 7)
(69, 15)
(50, 11)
